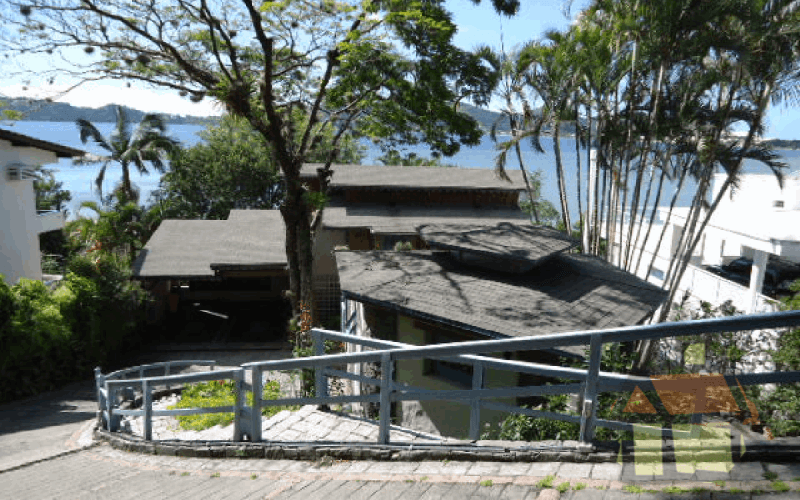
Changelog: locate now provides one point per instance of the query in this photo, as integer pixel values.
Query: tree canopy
(386, 69)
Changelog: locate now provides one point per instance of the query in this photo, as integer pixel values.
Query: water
(79, 180)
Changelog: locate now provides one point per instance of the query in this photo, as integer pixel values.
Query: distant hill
(487, 118)
(43, 111)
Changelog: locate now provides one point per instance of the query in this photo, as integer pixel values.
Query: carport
(218, 279)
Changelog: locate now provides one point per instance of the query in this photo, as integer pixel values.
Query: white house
(758, 220)
(20, 224)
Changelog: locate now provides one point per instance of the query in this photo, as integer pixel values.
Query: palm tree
(147, 144)
(509, 70)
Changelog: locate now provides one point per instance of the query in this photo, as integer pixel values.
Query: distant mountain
(43, 111)
(487, 118)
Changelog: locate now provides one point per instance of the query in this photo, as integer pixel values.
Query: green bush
(220, 393)
(48, 338)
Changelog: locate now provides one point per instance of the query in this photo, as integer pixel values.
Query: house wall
(447, 418)
(19, 223)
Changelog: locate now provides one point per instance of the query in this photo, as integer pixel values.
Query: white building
(20, 224)
(758, 220)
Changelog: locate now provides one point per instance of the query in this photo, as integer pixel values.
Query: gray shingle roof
(507, 240)
(570, 293)
(416, 177)
(192, 248)
(405, 219)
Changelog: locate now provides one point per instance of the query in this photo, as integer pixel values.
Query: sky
(477, 25)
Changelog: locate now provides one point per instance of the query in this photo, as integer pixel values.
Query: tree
(509, 73)
(49, 195)
(232, 168)
(384, 69)
(147, 144)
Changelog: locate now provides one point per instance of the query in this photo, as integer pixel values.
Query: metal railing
(586, 382)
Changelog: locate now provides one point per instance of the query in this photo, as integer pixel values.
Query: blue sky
(476, 25)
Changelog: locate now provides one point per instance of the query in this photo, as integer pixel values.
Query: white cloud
(99, 94)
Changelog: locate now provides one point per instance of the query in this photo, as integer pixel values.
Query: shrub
(48, 338)
(220, 393)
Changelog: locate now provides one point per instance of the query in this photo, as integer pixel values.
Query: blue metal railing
(586, 382)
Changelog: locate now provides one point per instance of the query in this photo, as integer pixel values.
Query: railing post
(99, 383)
(386, 395)
(320, 380)
(238, 406)
(589, 410)
(478, 373)
(147, 406)
(255, 417)
(166, 371)
(111, 399)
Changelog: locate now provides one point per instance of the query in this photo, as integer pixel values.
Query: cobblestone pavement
(103, 472)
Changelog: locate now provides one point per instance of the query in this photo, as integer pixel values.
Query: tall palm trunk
(653, 214)
(562, 189)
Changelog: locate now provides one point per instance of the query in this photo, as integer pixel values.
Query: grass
(561, 488)
(220, 393)
(780, 486)
(546, 482)
(633, 489)
(719, 483)
(579, 486)
(487, 482)
(736, 490)
(216, 474)
(770, 476)
(253, 476)
(184, 473)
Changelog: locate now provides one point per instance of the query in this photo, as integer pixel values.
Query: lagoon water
(79, 180)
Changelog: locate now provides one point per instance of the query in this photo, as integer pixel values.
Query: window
(458, 374)
(777, 204)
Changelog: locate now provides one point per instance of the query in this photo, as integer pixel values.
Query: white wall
(19, 223)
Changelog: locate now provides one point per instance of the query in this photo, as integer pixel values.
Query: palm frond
(89, 131)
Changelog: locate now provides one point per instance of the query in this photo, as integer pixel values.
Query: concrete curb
(552, 451)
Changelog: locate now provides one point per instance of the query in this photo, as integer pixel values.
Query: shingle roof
(506, 240)
(193, 248)
(405, 219)
(416, 177)
(572, 292)
(27, 141)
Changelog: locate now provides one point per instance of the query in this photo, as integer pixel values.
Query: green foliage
(148, 144)
(780, 409)
(119, 226)
(393, 157)
(547, 213)
(547, 482)
(49, 195)
(221, 393)
(48, 338)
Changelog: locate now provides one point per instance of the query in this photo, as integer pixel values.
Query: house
(20, 223)
(376, 207)
(755, 224)
(483, 281)
(241, 260)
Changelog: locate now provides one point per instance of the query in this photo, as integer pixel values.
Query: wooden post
(478, 373)
(386, 402)
(147, 406)
(589, 409)
(255, 417)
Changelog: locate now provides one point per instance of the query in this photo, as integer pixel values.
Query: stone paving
(305, 425)
(102, 472)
